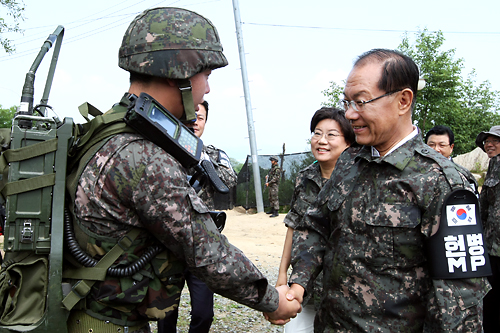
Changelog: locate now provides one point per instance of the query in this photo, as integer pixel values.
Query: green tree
(333, 94)
(479, 105)
(439, 102)
(15, 10)
(447, 99)
(237, 165)
(6, 116)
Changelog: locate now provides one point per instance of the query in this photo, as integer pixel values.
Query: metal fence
(290, 165)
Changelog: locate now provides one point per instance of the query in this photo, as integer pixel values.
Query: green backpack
(34, 161)
(33, 179)
(33, 183)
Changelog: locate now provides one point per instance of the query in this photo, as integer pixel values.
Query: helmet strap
(189, 114)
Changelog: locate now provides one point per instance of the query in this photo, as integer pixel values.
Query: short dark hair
(205, 105)
(440, 130)
(339, 116)
(399, 71)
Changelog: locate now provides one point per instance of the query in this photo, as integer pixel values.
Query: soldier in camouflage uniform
(369, 224)
(273, 182)
(131, 183)
(202, 298)
(441, 139)
(331, 135)
(218, 157)
(489, 142)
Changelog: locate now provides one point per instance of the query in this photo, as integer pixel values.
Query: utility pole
(248, 104)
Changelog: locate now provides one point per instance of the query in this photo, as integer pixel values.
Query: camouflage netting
(290, 164)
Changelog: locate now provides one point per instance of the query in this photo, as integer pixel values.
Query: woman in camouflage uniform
(331, 135)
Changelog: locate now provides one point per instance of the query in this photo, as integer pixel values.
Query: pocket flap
(398, 215)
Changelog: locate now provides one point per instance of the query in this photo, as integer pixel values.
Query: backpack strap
(91, 137)
(86, 109)
(21, 154)
(81, 289)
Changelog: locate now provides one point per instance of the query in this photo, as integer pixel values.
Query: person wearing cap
(273, 182)
(130, 185)
(441, 139)
(489, 200)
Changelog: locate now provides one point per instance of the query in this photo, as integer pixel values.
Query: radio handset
(157, 124)
(206, 168)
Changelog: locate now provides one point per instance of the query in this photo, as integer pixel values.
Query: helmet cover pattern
(171, 42)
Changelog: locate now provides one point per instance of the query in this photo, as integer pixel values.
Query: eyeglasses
(492, 141)
(329, 136)
(359, 105)
(438, 145)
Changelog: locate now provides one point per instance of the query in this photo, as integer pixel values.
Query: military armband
(458, 250)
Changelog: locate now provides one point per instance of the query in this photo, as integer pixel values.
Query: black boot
(274, 213)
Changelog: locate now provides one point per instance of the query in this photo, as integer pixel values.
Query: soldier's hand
(296, 292)
(286, 309)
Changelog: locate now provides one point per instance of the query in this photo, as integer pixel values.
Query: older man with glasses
(371, 226)
(490, 214)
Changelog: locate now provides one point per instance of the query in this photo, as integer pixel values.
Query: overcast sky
(293, 49)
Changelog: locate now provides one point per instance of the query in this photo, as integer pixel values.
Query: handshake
(289, 304)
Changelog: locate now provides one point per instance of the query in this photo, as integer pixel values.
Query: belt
(81, 322)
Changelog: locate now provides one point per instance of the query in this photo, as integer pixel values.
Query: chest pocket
(392, 235)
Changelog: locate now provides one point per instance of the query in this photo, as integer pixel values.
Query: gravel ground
(229, 315)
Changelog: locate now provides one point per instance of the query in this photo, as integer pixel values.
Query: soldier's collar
(398, 158)
(375, 152)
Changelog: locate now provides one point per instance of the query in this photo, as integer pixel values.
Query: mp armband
(457, 250)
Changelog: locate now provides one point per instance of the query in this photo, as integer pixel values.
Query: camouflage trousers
(273, 197)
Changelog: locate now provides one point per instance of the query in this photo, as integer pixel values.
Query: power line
(85, 21)
(369, 30)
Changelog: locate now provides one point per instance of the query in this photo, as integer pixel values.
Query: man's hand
(296, 292)
(288, 308)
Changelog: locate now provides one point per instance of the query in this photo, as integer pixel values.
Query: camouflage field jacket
(131, 182)
(307, 186)
(490, 206)
(224, 170)
(274, 175)
(367, 231)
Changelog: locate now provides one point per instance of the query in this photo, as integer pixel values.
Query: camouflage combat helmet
(273, 158)
(173, 43)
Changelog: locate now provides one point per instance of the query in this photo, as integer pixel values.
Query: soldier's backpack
(32, 194)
